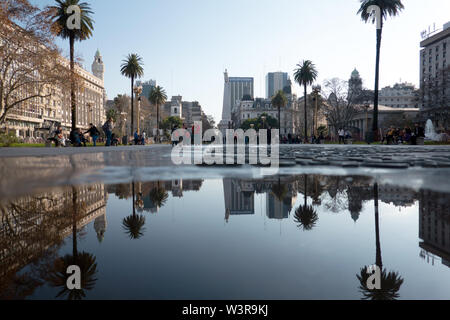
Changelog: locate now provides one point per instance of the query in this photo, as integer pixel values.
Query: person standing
(341, 134)
(93, 133)
(108, 127)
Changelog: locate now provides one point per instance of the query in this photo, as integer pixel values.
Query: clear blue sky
(187, 44)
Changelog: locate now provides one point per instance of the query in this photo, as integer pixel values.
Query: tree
(279, 101)
(340, 108)
(208, 122)
(172, 122)
(305, 216)
(158, 196)
(29, 59)
(259, 123)
(390, 282)
(58, 276)
(305, 75)
(132, 67)
(158, 97)
(134, 223)
(62, 28)
(388, 8)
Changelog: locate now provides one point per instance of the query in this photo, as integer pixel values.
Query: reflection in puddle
(227, 239)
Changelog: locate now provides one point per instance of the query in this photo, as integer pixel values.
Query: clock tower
(98, 68)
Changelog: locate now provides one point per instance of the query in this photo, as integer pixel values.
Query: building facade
(188, 111)
(401, 95)
(276, 81)
(29, 119)
(435, 78)
(235, 90)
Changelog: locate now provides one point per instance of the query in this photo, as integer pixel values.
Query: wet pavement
(142, 228)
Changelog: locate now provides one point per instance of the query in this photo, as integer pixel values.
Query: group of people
(404, 136)
(77, 137)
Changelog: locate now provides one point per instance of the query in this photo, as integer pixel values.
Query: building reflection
(434, 227)
(33, 228)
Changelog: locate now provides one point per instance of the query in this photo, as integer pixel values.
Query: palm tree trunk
(132, 107)
(306, 188)
(134, 206)
(74, 224)
(377, 82)
(279, 120)
(157, 122)
(306, 120)
(378, 260)
(72, 82)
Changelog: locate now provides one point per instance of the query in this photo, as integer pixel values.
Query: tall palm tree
(158, 97)
(61, 28)
(134, 223)
(305, 75)
(390, 282)
(305, 216)
(132, 67)
(58, 276)
(279, 101)
(388, 8)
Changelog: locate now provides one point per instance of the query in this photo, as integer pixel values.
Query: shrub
(8, 139)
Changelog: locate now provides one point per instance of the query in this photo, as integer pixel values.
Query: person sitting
(75, 138)
(83, 139)
(58, 137)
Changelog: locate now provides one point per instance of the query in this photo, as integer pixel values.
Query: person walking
(108, 127)
(93, 133)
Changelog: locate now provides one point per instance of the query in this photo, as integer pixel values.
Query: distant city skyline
(187, 45)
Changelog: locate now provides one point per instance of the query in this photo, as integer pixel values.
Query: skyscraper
(235, 89)
(276, 81)
(147, 87)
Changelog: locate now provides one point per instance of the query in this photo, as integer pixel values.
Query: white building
(401, 95)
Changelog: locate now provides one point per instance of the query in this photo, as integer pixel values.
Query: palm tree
(158, 196)
(132, 67)
(305, 216)
(279, 101)
(60, 27)
(58, 276)
(388, 8)
(134, 223)
(158, 97)
(390, 282)
(305, 75)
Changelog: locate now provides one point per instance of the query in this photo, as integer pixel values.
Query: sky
(187, 44)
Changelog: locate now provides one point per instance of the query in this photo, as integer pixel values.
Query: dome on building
(355, 74)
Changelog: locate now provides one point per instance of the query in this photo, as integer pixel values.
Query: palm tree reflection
(391, 282)
(134, 224)
(58, 276)
(305, 216)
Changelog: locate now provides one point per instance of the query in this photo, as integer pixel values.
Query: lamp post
(316, 92)
(366, 107)
(138, 91)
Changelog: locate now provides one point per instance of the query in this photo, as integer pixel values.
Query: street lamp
(316, 92)
(138, 91)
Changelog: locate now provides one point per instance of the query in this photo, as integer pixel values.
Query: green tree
(157, 97)
(158, 196)
(279, 101)
(172, 122)
(305, 75)
(388, 8)
(60, 27)
(132, 67)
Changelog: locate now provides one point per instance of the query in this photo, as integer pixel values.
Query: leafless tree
(339, 108)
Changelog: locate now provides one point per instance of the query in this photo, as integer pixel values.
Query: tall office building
(276, 81)
(235, 89)
(147, 87)
(435, 76)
